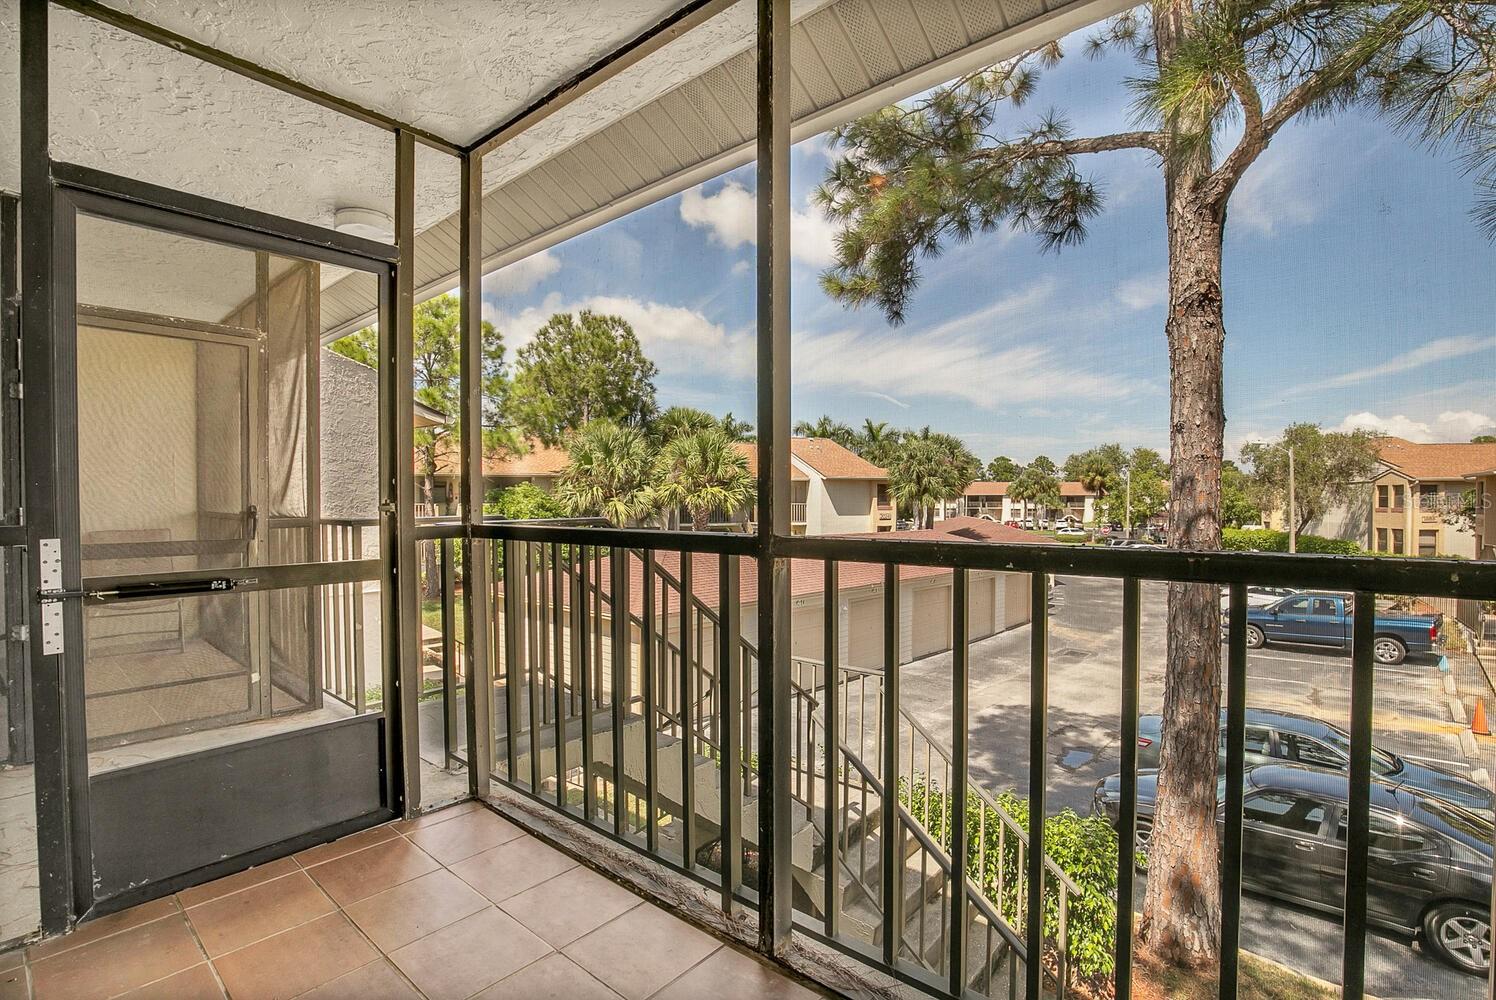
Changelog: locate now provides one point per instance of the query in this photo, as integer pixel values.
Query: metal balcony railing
(627, 697)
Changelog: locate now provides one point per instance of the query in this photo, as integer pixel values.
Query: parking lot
(1415, 717)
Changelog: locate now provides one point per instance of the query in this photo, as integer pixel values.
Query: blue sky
(1358, 293)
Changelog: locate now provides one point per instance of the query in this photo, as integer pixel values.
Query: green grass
(1258, 978)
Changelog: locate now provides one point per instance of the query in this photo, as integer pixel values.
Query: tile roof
(750, 449)
(833, 461)
(538, 460)
(1451, 460)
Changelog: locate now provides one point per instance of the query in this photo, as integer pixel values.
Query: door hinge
(16, 390)
(19, 633)
(50, 553)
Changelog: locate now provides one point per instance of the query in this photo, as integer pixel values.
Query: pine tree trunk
(1182, 909)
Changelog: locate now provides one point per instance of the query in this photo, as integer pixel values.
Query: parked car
(1276, 737)
(1258, 597)
(1118, 542)
(1071, 532)
(1323, 619)
(1430, 860)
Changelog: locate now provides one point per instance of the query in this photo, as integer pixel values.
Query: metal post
(449, 649)
(1127, 809)
(1358, 819)
(892, 856)
(831, 638)
(774, 115)
(960, 665)
(582, 652)
(51, 498)
(1038, 742)
(687, 709)
(402, 705)
(1236, 738)
(477, 578)
(729, 740)
(647, 685)
(620, 681)
(558, 592)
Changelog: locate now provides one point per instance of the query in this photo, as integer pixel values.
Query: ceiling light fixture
(370, 223)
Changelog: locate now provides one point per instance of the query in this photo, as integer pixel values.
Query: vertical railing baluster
(360, 661)
(1127, 809)
(448, 580)
(584, 659)
(1358, 820)
(596, 693)
(831, 640)
(960, 667)
(534, 660)
(728, 748)
(513, 636)
(687, 730)
(647, 683)
(620, 680)
(892, 884)
(1038, 742)
(1236, 738)
(558, 594)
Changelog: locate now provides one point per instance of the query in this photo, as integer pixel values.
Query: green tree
(1216, 83)
(437, 385)
(1098, 469)
(1044, 464)
(735, 429)
(522, 502)
(1483, 439)
(1036, 487)
(1328, 468)
(1003, 469)
(1134, 503)
(929, 469)
(579, 368)
(703, 472)
(825, 427)
(680, 421)
(1237, 506)
(877, 442)
(609, 473)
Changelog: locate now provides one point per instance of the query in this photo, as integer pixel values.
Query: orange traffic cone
(1478, 725)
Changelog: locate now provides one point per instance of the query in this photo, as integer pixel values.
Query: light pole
(1293, 534)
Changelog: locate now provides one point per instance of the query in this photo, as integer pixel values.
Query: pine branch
(1017, 152)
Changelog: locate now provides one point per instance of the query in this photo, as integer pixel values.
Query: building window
(1382, 492)
(1397, 545)
(1428, 543)
(1397, 497)
(1382, 537)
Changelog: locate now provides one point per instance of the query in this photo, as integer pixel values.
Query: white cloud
(679, 340)
(1144, 291)
(522, 275)
(1450, 425)
(730, 214)
(1280, 189)
(742, 267)
(1441, 349)
(985, 358)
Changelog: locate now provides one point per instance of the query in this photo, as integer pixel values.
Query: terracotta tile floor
(455, 904)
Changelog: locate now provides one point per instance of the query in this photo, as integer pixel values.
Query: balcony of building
(279, 726)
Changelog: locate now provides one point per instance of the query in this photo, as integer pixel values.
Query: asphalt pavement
(1415, 716)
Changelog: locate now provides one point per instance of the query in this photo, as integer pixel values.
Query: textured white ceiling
(452, 67)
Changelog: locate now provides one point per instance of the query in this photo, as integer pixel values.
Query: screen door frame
(377, 751)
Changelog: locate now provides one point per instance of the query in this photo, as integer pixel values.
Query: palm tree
(735, 429)
(825, 427)
(929, 470)
(679, 421)
(876, 441)
(703, 472)
(609, 473)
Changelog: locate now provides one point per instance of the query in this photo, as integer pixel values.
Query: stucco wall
(350, 444)
(845, 505)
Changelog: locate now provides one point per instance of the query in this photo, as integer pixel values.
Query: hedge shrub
(1264, 540)
(1084, 848)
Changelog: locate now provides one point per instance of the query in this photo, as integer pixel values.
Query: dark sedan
(1430, 870)
(1276, 737)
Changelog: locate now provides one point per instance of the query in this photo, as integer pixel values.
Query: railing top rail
(1380, 574)
(715, 542)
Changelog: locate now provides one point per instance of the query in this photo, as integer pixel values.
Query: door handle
(1427, 874)
(1303, 845)
(253, 515)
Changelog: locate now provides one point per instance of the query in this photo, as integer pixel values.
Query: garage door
(865, 633)
(930, 623)
(805, 634)
(981, 615)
